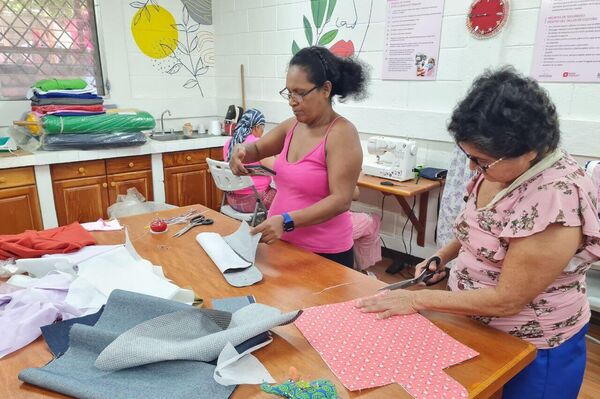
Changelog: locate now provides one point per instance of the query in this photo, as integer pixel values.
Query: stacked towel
(65, 97)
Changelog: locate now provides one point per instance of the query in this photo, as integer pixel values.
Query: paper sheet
(366, 352)
(102, 225)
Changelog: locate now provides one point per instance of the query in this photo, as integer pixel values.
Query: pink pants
(367, 246)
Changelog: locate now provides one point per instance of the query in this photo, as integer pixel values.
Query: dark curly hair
(506, 115)
(348, 76)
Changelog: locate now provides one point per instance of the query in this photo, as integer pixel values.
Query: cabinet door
(217, 195)
(188, 185)
(81, 200)
(119, 183)
(19, 210)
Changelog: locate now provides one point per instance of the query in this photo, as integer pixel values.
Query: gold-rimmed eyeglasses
(483, 166)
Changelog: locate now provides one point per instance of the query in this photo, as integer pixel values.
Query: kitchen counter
(151, 147)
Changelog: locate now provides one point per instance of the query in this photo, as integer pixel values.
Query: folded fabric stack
(69, 114)
(65, 97)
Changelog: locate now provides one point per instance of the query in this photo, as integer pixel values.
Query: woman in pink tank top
(319, 157)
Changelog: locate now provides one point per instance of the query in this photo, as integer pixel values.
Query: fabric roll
(91, 141)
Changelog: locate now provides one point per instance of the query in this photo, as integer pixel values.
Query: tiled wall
(259, 35)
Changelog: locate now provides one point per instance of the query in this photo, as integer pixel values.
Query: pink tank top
(301, 184)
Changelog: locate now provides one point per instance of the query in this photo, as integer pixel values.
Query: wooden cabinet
(19, 204)
(187, 178)
(84, 190)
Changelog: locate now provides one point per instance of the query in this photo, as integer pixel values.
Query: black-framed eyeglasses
(297, 97)
(483, 166)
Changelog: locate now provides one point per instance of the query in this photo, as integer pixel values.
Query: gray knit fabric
(74, 373)
(188, 335)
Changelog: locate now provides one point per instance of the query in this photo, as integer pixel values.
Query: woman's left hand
(271, 229)
(388, 303)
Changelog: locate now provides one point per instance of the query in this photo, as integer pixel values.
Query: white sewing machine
(394, 158)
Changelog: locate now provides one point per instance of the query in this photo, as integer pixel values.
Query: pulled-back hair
(348, 76)
(506, 115)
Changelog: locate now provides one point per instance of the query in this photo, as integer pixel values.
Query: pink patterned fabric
(302, 184)
(367, 245)
(563, 194)
(260, 182)
(247, 202)
(366, 352)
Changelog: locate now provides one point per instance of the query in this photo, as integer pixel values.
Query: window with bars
(40, 39)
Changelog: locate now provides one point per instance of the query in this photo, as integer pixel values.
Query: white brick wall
(395, 108)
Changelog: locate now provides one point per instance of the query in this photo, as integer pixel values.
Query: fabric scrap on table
(56, 334)
(23, 312)
(366, 352)
(189, 334)
(317, 389)
(120, 268)
(234, 255)
(33, 244)
(102, 225)
(74, 372)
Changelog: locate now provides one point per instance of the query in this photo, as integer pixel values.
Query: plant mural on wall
(176, 48)
(323, 31)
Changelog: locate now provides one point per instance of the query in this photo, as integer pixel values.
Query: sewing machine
(394, 158)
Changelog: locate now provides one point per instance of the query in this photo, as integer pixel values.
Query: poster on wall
(412, 39)
(567, 45)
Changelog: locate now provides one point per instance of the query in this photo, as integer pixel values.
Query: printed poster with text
(567, 46)
(412, 39)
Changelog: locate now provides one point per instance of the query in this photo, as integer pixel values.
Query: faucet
(162, 122)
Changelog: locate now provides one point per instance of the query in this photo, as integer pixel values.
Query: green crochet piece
(317, 389)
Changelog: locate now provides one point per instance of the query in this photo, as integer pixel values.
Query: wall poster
(412, 39)
(567, 45)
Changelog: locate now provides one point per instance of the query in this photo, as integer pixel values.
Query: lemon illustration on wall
(152, 26)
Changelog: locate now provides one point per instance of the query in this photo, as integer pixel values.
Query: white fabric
(235, 368)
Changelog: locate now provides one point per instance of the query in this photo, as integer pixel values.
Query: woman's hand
(236, 161)
(440, 270)
(271, 229)
(389, 303)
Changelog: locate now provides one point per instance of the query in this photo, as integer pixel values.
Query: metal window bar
(47, 38)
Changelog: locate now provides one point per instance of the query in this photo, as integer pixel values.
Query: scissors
(424, 277)
(199, 220)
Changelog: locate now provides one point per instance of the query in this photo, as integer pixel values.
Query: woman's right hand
(434, 267)
(236, 161)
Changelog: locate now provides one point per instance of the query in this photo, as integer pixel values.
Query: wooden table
(293, 279)
(403, 190)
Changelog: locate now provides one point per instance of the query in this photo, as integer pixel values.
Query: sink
(176, 136)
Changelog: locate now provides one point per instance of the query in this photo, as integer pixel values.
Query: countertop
(150, 147)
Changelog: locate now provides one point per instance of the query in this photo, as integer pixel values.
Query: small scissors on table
(199, 220)
(424, 277)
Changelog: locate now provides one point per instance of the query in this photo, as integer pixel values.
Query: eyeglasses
(297, 97)
(484, 167)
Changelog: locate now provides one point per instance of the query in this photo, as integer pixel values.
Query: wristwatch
(288, 222)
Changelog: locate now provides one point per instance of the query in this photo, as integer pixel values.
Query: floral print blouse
(562, 193)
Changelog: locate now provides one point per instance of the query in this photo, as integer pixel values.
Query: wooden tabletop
(402, 188)
(292, 279)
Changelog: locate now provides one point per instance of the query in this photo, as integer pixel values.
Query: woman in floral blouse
(526, 238)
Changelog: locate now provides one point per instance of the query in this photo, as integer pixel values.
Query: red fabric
(34, 244)
(66, 108)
